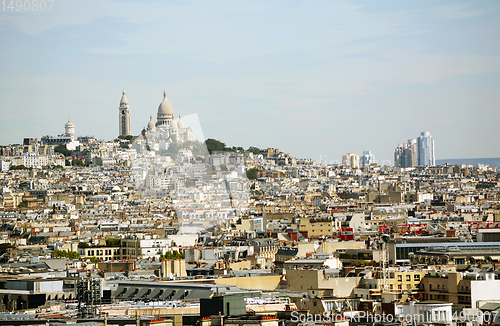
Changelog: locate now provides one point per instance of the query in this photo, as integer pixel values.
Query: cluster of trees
(94, 259)
(83, 245)
(75, 163)
(214, 145)
(18, 167)
(65, 254)
(130, 138)
(61, 148)
(113, 242)
(252, 173)
(172, 255)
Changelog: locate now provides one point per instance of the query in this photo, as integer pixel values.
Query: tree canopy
(252, 173)
(113, 242)
(65, 254)
(61, 148)
(172, 255)
(253, 149)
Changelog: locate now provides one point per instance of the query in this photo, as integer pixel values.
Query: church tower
(124, 116)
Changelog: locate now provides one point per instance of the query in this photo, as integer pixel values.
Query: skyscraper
(367, 158)
(425, 144)
(124, 116)
(406, 155)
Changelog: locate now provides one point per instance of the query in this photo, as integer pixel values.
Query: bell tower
(124, 114)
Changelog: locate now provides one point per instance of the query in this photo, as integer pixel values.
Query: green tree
(18, 167)
(214, 145)
(94, 259)
(113, 242)
(128, 137)
(61, 148)
(253, 149)
(65, 254)
(21, 205)
(83, 245)
(124, 146)
(172, 255)
(252, 173)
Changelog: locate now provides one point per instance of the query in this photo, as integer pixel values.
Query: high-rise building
(124, 116)
(406, 155)
(351, 159)
(367, 158)
(425, 143)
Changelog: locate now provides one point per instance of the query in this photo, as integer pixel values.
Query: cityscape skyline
(352, 77)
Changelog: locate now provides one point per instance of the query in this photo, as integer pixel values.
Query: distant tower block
(69, 129)
(124, 116)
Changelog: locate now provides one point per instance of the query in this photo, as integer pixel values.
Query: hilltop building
(166, 127)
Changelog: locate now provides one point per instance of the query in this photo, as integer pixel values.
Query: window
(416, 277)
(400, 287)
(408, 278)
(438, 287)
(400, 278)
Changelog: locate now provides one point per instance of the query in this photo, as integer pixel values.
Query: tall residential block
(351, 159)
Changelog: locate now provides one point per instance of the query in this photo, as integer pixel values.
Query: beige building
(351, 160)
(317, 283)
(104, 253)
(448, 287)
(171, 268)
(317, 227)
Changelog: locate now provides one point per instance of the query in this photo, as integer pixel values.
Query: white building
(426, 312)
(33, 160)
(484, 290)
(166, 127)
(367, 158)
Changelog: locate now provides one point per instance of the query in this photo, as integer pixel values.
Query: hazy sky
(316, 79)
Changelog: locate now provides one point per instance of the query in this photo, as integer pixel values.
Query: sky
(316, 79)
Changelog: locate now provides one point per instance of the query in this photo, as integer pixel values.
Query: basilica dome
(165, 106)
(151, 124)
(180, 124)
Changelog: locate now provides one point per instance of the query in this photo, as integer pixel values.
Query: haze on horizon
(315, 79)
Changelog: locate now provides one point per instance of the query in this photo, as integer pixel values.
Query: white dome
(69, 124)
(151, 124)
(165, 106)
(180, 124)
